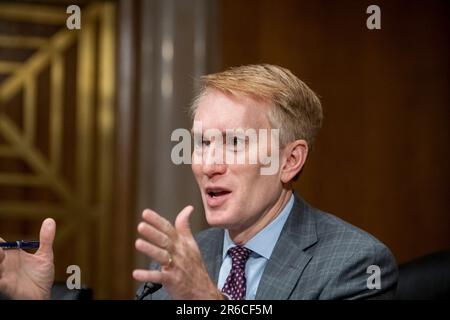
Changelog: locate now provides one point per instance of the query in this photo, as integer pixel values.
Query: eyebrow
(224, 134)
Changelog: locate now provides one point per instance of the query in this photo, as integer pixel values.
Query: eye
(235, 143)
(201, 142)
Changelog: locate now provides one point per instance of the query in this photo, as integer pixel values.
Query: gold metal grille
(82, 209)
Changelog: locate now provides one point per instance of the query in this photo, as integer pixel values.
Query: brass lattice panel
(82, 207)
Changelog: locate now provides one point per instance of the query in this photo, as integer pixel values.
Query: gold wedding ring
(170, 262)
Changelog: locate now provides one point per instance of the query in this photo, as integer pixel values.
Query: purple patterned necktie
(235, 284)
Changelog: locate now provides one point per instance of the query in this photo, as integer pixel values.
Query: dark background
(381, 159)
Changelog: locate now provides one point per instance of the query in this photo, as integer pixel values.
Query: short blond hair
(296, 109)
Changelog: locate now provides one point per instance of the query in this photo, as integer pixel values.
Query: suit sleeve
(355, 279)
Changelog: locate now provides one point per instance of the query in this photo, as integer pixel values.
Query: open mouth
(216, 192)
(216, 196)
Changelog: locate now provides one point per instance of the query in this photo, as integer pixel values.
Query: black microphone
(149, 288)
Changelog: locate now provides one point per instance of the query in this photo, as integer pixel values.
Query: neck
(241, 237)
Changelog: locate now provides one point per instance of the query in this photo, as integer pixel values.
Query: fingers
(182, 225)
(160, 236)
(160, 255)
(158, 222)
(154, 236)
(2, 253)
(46, 237)
(2, 257)
(148, 276)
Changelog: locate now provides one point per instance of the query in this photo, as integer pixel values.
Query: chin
(218, 219)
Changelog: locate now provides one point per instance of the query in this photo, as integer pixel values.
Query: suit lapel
(288, 259)
(212, 253)
(215, 256)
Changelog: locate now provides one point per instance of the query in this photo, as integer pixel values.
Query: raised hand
(29, 276)
(183, 273)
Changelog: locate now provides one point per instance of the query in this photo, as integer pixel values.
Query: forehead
(225, 111)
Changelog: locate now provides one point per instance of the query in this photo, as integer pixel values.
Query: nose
(211, 170)
(213, 163)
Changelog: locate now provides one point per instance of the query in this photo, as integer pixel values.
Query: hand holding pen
(25, 275)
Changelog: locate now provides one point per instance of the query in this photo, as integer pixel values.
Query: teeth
(214, 194)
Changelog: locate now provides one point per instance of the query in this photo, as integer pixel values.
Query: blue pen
(21, 244)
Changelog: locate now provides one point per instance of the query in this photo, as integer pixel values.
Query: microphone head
(149, 288)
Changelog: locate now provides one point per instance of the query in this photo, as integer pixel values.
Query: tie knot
(239, 254)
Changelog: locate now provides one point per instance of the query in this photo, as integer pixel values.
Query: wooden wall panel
(381, 159)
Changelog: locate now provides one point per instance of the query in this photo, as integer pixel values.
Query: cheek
(262, 186)
(248, 177)
(196, 169)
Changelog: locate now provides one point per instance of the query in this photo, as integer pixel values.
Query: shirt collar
(264, 241)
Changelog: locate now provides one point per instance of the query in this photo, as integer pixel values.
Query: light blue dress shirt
(262, 245)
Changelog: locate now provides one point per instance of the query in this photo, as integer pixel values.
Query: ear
(294, 155)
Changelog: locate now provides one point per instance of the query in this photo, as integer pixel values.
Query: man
(265, 241)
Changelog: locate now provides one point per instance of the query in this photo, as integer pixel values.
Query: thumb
(46, 237)
(2, 253)
(182, 222)
(2, 257)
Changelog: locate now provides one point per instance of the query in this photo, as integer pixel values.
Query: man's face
(235, 196)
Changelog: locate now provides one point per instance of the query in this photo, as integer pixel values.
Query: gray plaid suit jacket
(317, 256)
